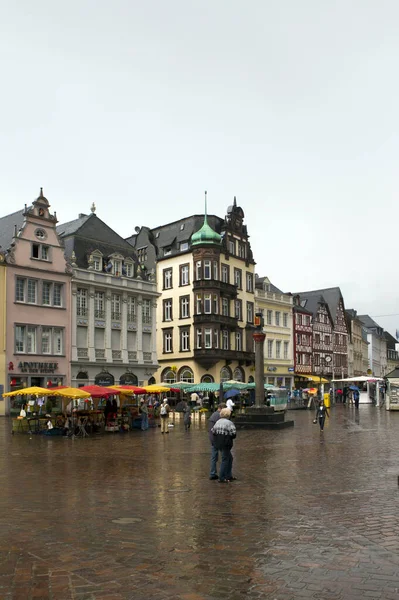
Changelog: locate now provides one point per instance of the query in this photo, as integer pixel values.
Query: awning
(315, 378)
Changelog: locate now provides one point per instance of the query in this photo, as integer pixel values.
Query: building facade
(377, 347)
(276, 308)
(3, 317)
(113, 307)
(358, 346)
(302, 339)
(37, 280)
(205, 316)
(392, 352)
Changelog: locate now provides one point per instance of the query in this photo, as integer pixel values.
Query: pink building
(37, 300)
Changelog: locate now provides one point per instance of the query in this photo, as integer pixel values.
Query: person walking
(164, 413)
(224, 432)
(356, 397)
(144, 415)
(321, 415)
(214, 451)
(186, 416)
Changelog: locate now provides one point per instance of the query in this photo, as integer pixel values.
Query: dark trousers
(322, 420)
(226, 467)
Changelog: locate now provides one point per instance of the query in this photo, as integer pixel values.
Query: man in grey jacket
(214, 451)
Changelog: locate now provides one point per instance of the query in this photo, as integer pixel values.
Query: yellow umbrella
(155, 389)
(34, 391)
(70, 392)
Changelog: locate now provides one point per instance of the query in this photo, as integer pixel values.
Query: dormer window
(117, 268)
(167, 251)
(97, 260)
(128, 268)
(183, 246)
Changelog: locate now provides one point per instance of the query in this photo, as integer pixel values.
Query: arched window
(151, 381)
(104, 378)
(238, 374)
(128, 379)
(82, 375)
(225, 374)
(250, 379)
(186, 374)
(207, 379)
(168, 376)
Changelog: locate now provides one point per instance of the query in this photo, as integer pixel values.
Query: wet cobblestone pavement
(134, 516)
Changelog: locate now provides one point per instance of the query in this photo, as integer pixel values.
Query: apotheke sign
(38, 367)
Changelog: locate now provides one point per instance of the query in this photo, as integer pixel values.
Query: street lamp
(327, 359)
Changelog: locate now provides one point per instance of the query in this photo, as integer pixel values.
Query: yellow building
(358, 346)
(276, 308)
(205, 315)
(3, 304)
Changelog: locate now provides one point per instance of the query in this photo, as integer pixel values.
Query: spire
(235, 202)
(205, 235)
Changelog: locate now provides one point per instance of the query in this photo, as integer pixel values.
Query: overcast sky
(290, 105)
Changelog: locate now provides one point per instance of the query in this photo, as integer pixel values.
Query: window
(238, 309)
(225, 340)
(131, 309)
(241, 249)
(336, 339)
(215, 304)
(187, 375)
(207, 304)
(40, 252)
(142, 254)
(238, 341)
(20, 338)
(57, 339)
(184, 340)
(115, 307)
(184, 307)
(305, 340)
(99, 305)
(81, 302)
(40, 234)
(298, 319)
(278, 349)
(46, 340)
(198, 304)
(317, 338)
(167, 251)
(298, 358)
(167, 279)
(286, 349)
(184, 275)
(215, 270)
(226, 273)
(167, 310)
(117, 267)
(225, 307)
(277, 318)
(307, 320)
(285, 319)
(238, 278)
(183, 246)
(269, 317)
(270, 348)
(207, 269)
(128, 269)
(32, 291)
(250, 312)
(208, 338)
(167, 341)
(298, 339)
(146, 312)
(31, 340)
(232, 246)
(316, 360)
(57, 294)
(46, 293)
(216, 338)
(20, 289)
(250, 282)
(327, 340)
(199, 338)
(198, 270)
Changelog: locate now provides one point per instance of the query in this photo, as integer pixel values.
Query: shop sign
(104, 379)
(291, 369)
(38, 367)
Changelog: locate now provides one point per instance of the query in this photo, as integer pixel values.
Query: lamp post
(259, 338)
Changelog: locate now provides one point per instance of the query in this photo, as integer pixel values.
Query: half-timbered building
(302, 338)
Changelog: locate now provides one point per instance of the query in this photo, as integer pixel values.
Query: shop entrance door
(37, 381)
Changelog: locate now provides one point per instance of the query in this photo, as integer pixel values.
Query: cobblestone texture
(134, 516)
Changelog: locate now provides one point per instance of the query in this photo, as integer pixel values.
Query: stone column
(90, 326)
(124, 328)
(140, 329)
(259, 369)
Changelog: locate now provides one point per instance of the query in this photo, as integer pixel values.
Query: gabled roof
(7, 225)
(259, 281)
(72, 227)
(369, 322)
(391, 341)
(331, 296)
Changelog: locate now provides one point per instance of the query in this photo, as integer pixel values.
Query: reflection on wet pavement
(134, 516)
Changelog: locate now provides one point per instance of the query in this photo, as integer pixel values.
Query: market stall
(32, 414)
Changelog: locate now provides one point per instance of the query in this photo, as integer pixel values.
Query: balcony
(208, 357)
(224, 288)
(99, 354)
(212, 319)
(83, 353)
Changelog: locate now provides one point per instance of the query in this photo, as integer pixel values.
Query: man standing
(214, 452)
(224, 432)
(164, 413)
(144, 415)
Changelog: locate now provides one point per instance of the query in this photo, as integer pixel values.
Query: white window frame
(207, 269)
(278, 348)
(250, 282)
(81, 302)
(286, 349)
(198, 270)
(226, 339)
(207, 304)
(167, 279)
(184, 307)
(198, 338)
(208, 338)
(184, 275)
(277, 315)
(34, 283)
(185, 340)
(225, 307)
(285, 319)
(167, 307)
(238, 337)
(270, 346)
(167, 337)
(269, 317)
(18, 281)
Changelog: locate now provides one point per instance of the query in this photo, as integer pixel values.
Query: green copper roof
(205, 235)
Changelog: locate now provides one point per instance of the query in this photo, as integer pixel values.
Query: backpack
(164, 411)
